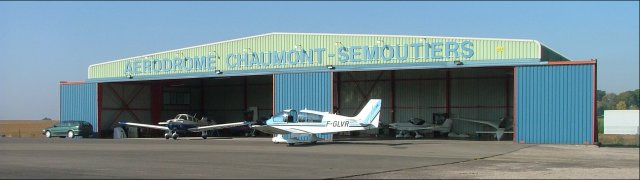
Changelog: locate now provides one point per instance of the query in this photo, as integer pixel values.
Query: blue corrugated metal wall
(303, 90)
(79, 102)
(554, 104)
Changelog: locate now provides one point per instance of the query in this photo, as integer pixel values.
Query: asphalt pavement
(260, 158)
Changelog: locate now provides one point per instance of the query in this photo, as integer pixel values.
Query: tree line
(628, 100)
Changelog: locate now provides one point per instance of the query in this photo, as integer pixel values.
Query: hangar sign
(298, 58)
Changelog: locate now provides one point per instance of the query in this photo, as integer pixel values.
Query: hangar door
(78, 101)
(555, 104)
(303, 90)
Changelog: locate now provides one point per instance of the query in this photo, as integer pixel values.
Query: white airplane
(183, 123)
(498, 132)
(288, 125)
(416, 125)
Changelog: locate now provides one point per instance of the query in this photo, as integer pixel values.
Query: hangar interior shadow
(220, 100)
(475, 93)
(484, 94)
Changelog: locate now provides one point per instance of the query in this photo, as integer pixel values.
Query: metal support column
(393, 96)
(448, 94)
(99, 107)
(156, 102)
(337, 103)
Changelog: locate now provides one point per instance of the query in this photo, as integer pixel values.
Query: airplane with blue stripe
(305, 122)
(184, 123)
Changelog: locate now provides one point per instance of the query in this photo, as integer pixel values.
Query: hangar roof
(311, 52)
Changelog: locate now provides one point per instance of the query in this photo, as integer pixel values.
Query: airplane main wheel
(204, 134)
(314, 142)
(174, 136)
(167, 135)
(291, 144)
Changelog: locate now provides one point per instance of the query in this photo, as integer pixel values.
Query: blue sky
(42, 43)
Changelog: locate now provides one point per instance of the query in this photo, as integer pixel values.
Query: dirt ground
(618, 140)
(24, 128)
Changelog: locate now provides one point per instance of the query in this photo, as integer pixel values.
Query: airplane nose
(171, 126)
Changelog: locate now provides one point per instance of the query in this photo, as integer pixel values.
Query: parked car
(69, 129)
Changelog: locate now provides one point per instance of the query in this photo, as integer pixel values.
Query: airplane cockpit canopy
(417, 121)
(285, 116)
(279, 117)
(293, 116)
(185, 117)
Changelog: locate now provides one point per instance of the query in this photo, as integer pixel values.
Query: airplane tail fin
(370, 114)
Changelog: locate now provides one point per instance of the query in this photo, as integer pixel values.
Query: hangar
(542, 95)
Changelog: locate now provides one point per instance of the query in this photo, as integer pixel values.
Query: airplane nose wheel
(174, 136)
(167, 135)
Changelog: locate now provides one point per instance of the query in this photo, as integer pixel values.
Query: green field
(600, 124)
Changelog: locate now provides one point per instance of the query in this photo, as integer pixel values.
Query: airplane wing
(274, 130)
(413, 128)
(492, 124)
(217, 126)
(145, 125)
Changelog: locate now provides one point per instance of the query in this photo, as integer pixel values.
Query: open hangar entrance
(220, 99)
(484, 94)
(544, 96)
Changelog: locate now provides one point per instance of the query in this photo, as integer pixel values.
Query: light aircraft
(416, 125)
(184, 123)
(498, 126)
(289, 125)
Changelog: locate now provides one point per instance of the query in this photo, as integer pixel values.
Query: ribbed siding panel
(224, 98)
(303, 90)
(79, 102)
(225, 104)
(555, 104)
(419, 94)
(484, 49)
(479, 94)
(357, 88)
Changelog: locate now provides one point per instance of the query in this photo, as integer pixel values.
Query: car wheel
(47, 134)
(70, 134)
